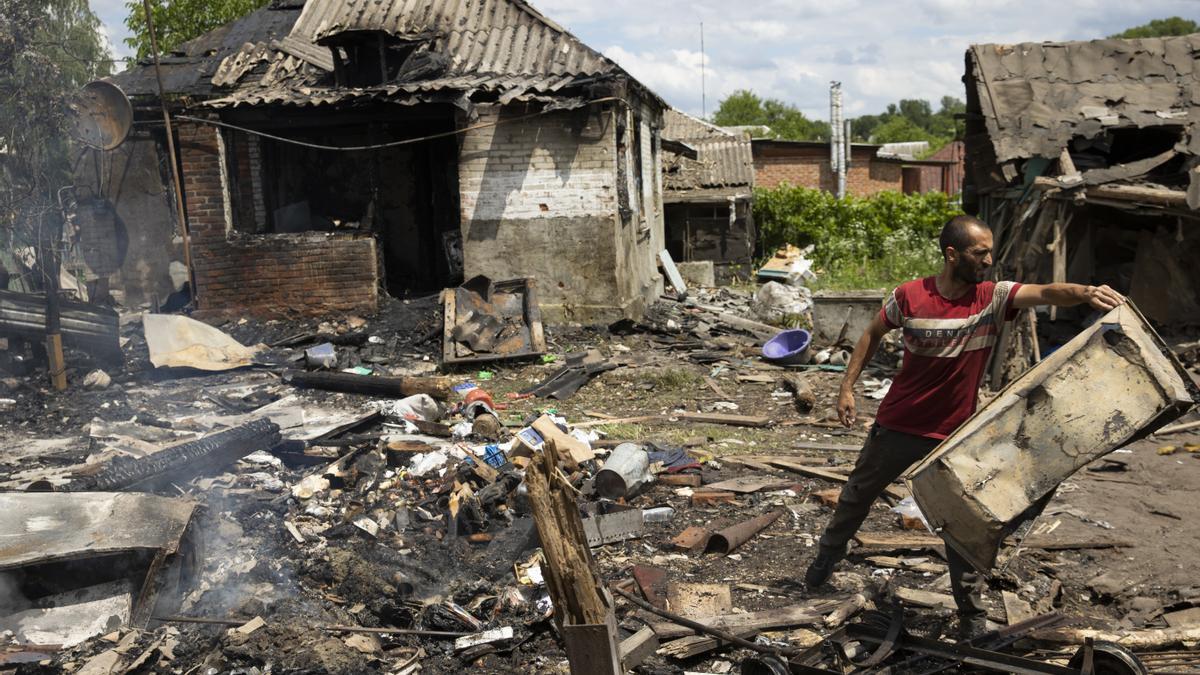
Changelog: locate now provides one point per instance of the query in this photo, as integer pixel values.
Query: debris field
(344, 532)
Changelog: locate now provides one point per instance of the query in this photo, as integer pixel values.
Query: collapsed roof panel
(1035, 98)
(723, 159)
(40, 527)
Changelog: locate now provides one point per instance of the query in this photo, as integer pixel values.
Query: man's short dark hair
(957, 232)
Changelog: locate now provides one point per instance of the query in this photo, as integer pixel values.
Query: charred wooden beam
(370, 385)
(182, 462)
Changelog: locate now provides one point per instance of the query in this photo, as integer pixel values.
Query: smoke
(11, 598)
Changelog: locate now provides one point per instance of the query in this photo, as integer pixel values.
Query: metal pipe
(732, 537)
(845, 153)
(837, 155)
(162, 99)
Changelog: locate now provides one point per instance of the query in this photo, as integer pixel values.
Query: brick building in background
(806, 164)
(499, 144)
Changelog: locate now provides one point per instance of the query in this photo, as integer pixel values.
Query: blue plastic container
(789, 347)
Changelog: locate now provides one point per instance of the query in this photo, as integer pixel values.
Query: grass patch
(663, 379)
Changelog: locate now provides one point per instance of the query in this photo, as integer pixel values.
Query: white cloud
(790, 49)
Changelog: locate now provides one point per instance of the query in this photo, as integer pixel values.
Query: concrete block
(699, 273)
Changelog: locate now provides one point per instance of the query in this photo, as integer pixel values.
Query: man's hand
(1102, 298)
(846, 408)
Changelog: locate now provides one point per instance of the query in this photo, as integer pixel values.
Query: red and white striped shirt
(946, 348)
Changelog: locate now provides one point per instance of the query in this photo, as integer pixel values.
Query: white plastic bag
(774, 301)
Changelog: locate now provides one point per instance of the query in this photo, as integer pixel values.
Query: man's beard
(970, 274)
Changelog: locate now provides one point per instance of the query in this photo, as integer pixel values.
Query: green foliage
(912, 120)
(871, 242)
(48, 50)
(785, 121)
(1160, 28)
(177, 21)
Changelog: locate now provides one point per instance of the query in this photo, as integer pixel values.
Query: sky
(881, 51)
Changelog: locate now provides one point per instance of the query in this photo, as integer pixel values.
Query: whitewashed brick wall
(542, 167)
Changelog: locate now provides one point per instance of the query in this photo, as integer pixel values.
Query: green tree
(785, 121)
(48, 50)
(177, 21)
(912, 120)
(900, 129)
(1160, 28)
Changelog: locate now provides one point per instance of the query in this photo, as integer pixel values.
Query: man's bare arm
(864, 350)
(1102, 298)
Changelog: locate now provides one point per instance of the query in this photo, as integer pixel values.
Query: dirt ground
(1139, 509)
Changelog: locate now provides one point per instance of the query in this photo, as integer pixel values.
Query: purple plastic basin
(790, 346)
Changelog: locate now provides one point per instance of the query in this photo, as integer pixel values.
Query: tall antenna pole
(703, 92)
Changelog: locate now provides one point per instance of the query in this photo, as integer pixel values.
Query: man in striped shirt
(950, 323)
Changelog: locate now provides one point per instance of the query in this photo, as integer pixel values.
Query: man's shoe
(821, 568)
(971, 626)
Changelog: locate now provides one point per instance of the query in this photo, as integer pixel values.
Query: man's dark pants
(885, 456)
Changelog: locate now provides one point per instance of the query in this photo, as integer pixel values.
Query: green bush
(860, 242)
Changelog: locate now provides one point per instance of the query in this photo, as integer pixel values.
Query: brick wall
(538, 198)
(558, 165)
(264, 275)
(809, 172)
(865, 178)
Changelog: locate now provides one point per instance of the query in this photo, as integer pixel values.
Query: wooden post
(56, 362)
(171, 154)
(582, 609)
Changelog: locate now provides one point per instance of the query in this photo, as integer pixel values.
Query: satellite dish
(101, 115)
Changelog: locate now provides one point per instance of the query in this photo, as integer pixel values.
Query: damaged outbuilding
(1083, 157)
(708, 175)
(333, 150)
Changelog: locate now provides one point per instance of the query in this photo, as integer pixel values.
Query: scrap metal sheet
(1112, 384)
(40, 527)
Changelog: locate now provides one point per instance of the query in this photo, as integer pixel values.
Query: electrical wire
(391, 144)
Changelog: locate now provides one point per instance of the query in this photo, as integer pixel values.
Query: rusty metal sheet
(1113, 383)
(40, 527)
(505, 324)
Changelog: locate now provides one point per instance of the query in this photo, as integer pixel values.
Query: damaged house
(331, 151)
(708, 181)
(1084, 157)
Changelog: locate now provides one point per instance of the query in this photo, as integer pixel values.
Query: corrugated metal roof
(479, 36)
(503, 47)
(723, 159)
(680, 126)
(513, 89)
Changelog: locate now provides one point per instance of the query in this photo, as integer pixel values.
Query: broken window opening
(1125, 145)
(638, 182)
(371, 58)
(405, 195)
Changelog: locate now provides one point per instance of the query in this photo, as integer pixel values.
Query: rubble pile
(367, 515)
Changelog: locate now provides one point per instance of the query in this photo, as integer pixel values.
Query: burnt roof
(275, 55)
(189, 68)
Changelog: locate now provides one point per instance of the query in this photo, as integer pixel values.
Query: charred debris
(433, 482)
(291, 496)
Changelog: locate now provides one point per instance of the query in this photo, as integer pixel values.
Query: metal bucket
(626, 471)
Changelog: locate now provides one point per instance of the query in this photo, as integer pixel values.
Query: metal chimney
(837, 150)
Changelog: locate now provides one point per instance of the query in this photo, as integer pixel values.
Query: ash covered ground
(360, 533)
